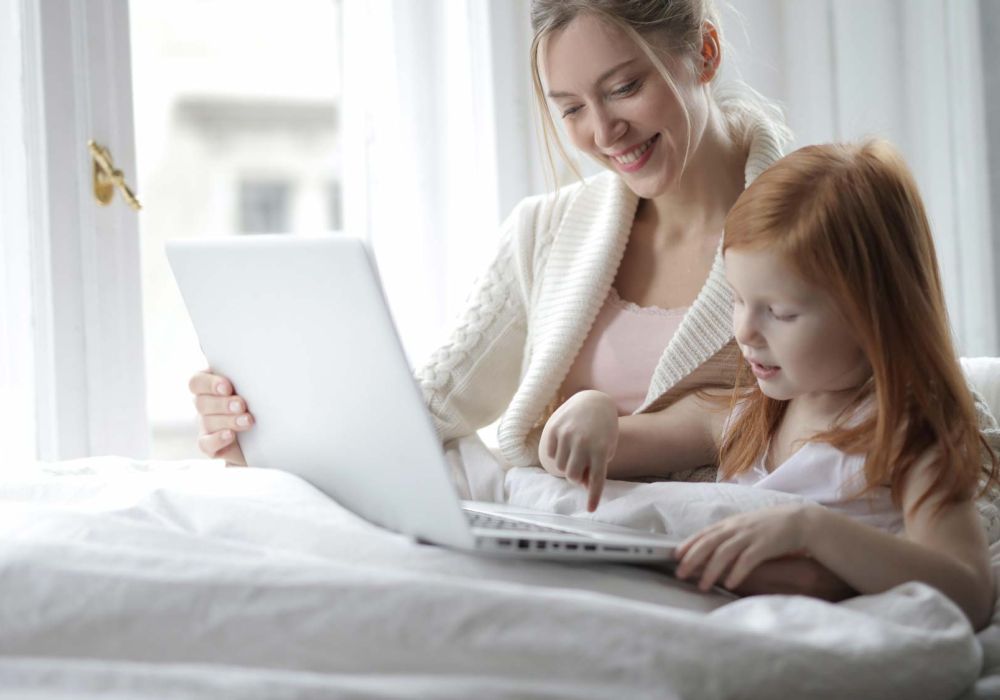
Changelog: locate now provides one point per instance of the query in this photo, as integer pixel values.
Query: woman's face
(616, 107)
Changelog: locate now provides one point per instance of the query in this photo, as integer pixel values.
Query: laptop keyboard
(494, 522)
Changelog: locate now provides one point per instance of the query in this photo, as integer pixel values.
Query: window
(237, 131)
(264, 207)
(335, 207)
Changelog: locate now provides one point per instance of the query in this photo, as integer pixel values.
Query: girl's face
(617, 108)
(791, 333)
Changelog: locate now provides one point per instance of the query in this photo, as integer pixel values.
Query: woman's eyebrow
(555, 94)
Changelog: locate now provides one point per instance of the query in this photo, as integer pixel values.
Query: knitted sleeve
(469, 381)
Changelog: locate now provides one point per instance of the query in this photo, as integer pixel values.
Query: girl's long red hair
(849, 219)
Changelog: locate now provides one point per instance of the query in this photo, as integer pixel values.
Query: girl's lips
(763, 371)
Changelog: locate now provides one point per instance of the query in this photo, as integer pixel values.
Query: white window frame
(70, 81)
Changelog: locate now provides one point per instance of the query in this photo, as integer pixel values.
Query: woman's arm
(468, 382)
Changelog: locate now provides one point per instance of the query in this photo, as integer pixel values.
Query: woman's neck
(713, 178)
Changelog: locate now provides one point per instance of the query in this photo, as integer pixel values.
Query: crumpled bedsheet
(141, 579)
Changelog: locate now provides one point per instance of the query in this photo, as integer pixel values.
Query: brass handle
(106, 177)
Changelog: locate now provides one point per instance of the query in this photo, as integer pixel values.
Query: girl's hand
(579, 440)
(223, 414)
(735, 546)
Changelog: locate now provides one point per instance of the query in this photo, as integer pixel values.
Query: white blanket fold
(137, 580)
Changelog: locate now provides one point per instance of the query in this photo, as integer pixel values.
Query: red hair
(849, 219)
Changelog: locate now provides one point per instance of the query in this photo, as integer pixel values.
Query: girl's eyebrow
(555, 94)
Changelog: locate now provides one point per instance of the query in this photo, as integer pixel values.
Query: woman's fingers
(223, 415)
(214, 443)
(222, 444)
(209, 383)
(217, 403)
(209, 405)
(236, 423)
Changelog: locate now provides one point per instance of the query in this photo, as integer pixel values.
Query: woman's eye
(626, 89)
(570, 112)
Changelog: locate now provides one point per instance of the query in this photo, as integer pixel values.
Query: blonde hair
(656, 26)
(849, 219)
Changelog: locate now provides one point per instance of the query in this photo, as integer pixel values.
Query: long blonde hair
(675, 27)
(849, 219)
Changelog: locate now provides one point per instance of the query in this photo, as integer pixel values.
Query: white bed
(123, 579)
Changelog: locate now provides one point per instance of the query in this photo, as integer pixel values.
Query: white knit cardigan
(530, 313)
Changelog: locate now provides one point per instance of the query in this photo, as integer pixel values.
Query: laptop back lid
(301, 327)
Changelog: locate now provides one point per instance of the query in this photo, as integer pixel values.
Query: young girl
(859, 404)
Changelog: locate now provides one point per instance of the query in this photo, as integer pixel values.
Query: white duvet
(145, 580)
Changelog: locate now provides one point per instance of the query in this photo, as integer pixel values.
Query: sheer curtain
(908, 70)
(442, 100)
(17, 367)
(439, 147)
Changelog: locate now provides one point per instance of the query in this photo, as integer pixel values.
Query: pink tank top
(622, 350)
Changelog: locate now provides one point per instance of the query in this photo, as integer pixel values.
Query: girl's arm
(943, 548)
(946, 549)
(685, 435)
(585, 441)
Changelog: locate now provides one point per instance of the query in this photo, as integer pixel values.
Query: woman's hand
(223, 414)
(730, 549)
(579, 440)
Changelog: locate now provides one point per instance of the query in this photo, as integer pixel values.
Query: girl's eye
(782, 317)
(626, 89)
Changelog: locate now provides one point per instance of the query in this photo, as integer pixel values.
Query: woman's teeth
(633, 156)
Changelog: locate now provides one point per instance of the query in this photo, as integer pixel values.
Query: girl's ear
(711, 53)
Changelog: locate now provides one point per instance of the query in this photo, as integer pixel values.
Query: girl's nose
(745, 329)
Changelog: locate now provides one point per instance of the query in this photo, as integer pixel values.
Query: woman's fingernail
(234, 406)
(243, 420)
(227, 435)
(220, 388)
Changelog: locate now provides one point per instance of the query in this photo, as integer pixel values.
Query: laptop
(301, 326)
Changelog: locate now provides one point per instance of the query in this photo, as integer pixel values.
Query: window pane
(264, 207)
(236, 120)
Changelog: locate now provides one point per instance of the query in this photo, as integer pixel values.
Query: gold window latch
(106, 177)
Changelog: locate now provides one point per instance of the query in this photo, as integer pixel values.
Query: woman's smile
(633, 159)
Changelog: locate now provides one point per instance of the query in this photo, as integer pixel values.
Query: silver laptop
(301, 326)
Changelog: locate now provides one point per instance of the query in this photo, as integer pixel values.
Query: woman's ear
(711, 53)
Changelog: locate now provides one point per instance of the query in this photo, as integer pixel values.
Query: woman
(632, 82)
(614, 283)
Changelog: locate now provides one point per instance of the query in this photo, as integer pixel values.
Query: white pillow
(984, 375)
